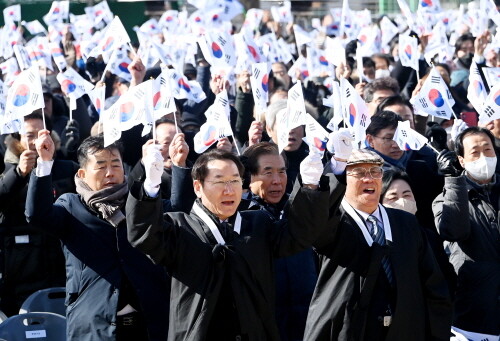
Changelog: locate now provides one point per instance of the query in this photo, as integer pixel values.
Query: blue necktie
(378, 236)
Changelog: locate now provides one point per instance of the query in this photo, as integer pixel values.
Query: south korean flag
(25, 95)
(491, 107)
(434, 97)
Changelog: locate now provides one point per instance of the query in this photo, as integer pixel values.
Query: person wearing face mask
(466, 215)
(382, 65)
(467, 50)
(397, 193)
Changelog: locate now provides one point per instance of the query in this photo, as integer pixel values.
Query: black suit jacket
(423, 308)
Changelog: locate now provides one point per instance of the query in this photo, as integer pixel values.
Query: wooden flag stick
(43, 117)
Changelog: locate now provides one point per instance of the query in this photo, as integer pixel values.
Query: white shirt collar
(365, 215)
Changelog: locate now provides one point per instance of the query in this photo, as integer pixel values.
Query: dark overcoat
(184, 244)
(337, 312)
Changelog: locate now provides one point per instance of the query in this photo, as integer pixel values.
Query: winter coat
(467, 216)
(351, 277)
(98, 259)
(185, 245)
(30, 260)
(296, 276)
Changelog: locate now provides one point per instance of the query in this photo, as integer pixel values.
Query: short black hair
(368, 62)
(165, 119)
(394, 100)
(37, 115)
(444, 66)
(384, 56)
(459, 142)
(391, 175)
(200, 167)
(384, 83)
(94, 144)
(462, 39)
(254, 152)
(383, 120)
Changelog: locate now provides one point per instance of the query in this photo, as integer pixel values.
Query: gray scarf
(107, 201)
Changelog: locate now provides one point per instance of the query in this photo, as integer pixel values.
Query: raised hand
(255, 133)
(27, 161)
(179, 150)
(243, 81)
(45, 146)
(311, 169)
(137, 71)
(340, 144)
(457, 128)
(153, 164)
(224, 144)
(447, 162)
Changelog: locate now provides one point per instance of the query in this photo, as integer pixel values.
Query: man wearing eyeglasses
(420, 165)
(221, 260)
(378, 277)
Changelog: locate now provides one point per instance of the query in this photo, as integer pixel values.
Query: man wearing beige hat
(378, 277)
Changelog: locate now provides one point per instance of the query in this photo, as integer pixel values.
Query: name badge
(25, 239)
(35, 334)
(387, 321)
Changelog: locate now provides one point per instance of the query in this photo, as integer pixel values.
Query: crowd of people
(261, 231)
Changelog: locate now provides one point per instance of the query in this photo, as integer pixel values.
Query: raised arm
(451, 210)
(39, 207)
(147, 230)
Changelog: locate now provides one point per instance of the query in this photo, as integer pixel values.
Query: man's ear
(369, 138)
(197, 187)
(461, 160)
(81, 173)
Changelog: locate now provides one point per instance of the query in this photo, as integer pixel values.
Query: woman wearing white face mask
(397, 194)
(467, 215)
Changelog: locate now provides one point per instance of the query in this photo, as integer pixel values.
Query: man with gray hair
(296, 149)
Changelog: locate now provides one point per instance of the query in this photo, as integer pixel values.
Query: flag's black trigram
(362, 121)
(488, 111)
(256, 73)
(435, 79)
(34, 98)
(423, 102)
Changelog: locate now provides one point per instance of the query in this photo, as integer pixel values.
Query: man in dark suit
(221, 260)
(378, 278)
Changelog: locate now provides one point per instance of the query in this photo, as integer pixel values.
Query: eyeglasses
(386, 140)
(223, 184)
(360, 172)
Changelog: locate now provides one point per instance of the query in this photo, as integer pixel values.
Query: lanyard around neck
(211, 225)
(362, 226)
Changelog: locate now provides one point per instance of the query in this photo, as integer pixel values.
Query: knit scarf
(107, 202)
(401, 163)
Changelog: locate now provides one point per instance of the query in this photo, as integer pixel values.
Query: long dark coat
(184, 244)
(423, 307)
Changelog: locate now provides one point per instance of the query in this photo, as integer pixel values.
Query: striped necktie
(377, 232)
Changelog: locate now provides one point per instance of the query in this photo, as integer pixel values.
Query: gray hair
(273, 110)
